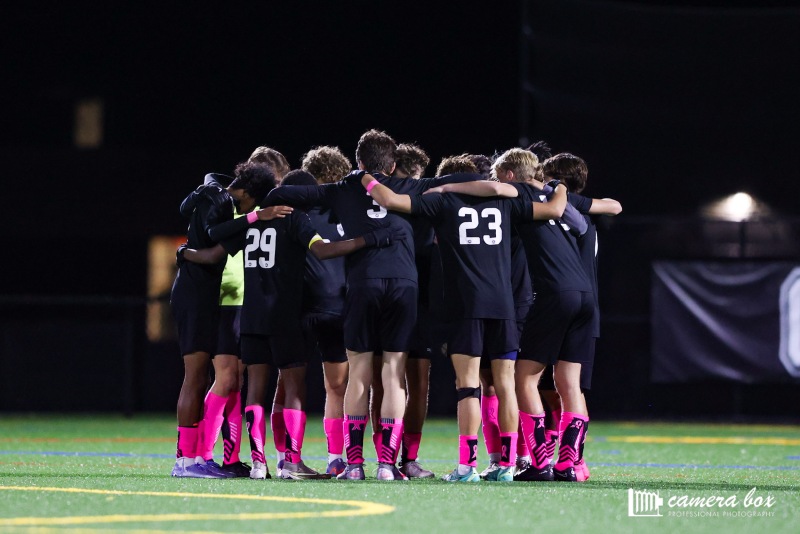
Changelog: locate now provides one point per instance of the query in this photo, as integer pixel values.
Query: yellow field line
(701, 440)
(360, 508)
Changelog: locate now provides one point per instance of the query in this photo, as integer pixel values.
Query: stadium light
(737, 208)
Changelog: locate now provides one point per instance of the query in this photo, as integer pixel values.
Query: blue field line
(793, 457)
(427, 461)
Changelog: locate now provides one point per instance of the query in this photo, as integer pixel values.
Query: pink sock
(391, 438)
(353, 430)
(213, 407)
(570, 431)
(333, 432)
(232, 428)
(411, 443)
(468, 450)
(188, 437)
(491, 427)
(533, 432)
(376, 440)
(278, 425)
(522, 445)
(256, 428)
(551, 438)
(295, 431)
(508, 449)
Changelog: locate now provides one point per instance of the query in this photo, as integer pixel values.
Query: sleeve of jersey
(297, 195)
(427, 205)
(581, 203)
(188, 204)
(428, 183)
(303, 230)
(521, 209)
(228, 229)
(234, 244)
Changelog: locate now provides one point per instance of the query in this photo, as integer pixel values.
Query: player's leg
(552, 409)
(256, 354)
(489, 422)
(356, 410)
(278, 424)
(418, 371)
(392, 410)
(467, 370)
(581, 468)
(232, 427)
(226, 378)
(375, 401)
(335, 374)
(508, 414)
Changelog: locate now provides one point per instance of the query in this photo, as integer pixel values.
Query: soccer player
(411, 161)
(473, 235)
(573, 172)
(381, 300)
(195, 306)
(273, 158)
(274, 259)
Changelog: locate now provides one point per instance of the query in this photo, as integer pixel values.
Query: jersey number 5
(265, 241)
(472, 215)
(377, 211)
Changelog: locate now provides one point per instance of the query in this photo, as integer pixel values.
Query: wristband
(371, 185)
(252, 217)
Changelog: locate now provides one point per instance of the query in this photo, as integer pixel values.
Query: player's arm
(205, 256)
(479, 188)
(235, 226)
(385, 196)
(605, 206)
(554, 207)
(305, 196)
(380, 238)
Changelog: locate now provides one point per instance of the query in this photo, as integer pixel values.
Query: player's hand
(554, 184)
(383, 237)
(354, 177)
(179, 259)
(274, 212)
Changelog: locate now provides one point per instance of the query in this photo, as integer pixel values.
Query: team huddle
(375, 272)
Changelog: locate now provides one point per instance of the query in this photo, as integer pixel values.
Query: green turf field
(69, 474)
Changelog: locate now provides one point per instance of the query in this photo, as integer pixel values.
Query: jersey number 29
(260, 240)
(472, 215)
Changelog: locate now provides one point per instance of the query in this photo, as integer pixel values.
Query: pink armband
(252, 217)
(371, 185)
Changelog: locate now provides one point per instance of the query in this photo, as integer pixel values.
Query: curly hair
(568, 168)
(411, 161)
(327, 163)
(483, 164)
(255, 178)
(523, 163)
(376, 152)
(453, 164)
(273, 158)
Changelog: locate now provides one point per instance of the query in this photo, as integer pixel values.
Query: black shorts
(548, 383)
(195, 309)
(492, 338)
(324, 337)
(429, 338)
(559, 328)
(275, 350)
(380, 314)
(228, 336)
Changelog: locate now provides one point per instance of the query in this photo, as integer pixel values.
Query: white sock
(332, 457)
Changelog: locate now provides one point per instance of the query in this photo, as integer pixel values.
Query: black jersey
(520, 275)
(324, 281)
(359, 214)
(553, 258)
(274, 265)
(474, 235)
(205, 207)
(587, 247)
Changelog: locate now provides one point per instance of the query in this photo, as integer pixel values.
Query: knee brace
(466, 393)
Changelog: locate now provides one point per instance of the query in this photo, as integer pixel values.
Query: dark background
(672, 105)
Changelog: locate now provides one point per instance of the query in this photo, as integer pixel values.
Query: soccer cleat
(501, 474)
(471, 476)
(352, 472)
(493, 466)
(260, 471)
(187, 468)
(389, 472)
(565, 475)
(212, 467)
(582, 471)
(237, 469)
(412, 469)
(531, 474)
(522, 464)
(336, 467)
(301, 471)
(279, 474)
